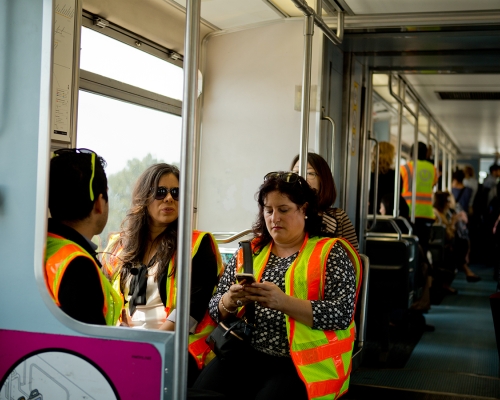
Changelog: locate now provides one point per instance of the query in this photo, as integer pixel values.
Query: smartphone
(245, 279)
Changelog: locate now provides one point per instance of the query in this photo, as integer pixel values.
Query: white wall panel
(249, 125)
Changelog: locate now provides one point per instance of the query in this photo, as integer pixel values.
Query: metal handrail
(233, 237)
(364, 300)
(408, 225)
(189, 109)
(375, 184)
(332, 122)
(321, 24)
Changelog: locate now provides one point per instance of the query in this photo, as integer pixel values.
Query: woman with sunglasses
(304, 296)
(335, 223)
(143, 266)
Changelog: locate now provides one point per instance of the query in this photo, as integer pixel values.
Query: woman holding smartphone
(304, 300)
(143, 266)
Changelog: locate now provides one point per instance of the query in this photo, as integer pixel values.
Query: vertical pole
(444, 179)
(191, 54)
(415, 169)
(450, 168)
(365, 159)
(397, 188)
(306, 93)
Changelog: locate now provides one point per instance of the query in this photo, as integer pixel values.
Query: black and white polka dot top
(332, 313)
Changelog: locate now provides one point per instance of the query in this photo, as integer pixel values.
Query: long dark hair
(327, 191)
(135, 227)
(299, 193)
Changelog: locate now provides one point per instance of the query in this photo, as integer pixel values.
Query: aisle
(458, 359)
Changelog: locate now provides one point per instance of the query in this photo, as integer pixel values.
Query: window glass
(130, 138)
(105, 56)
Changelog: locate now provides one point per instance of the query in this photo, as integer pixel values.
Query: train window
(111, 58)
(130, 138)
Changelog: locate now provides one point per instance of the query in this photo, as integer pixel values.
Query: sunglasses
(162, 192)
(288, 177)
(92, 158)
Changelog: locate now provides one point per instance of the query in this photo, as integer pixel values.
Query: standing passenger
(78, 203)
(144, 263)
(336, 223)
(426, 179)
(386, 176)
(461, 193)
(471, 182)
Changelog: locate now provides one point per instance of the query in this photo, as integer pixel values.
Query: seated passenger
(78, 203)
(336, 223)
(143, 262)
(302, 343)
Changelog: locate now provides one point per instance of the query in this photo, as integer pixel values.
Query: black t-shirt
(80, 291)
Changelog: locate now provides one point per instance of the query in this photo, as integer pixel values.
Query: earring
(305, 217)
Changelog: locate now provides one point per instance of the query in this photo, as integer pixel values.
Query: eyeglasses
(92, 158)
(310, 174)
(289, 177)
(162, 192)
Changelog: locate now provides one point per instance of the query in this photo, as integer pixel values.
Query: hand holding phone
(245, 279)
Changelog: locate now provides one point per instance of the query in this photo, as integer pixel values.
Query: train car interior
(229, 90)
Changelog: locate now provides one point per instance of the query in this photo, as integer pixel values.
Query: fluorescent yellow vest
(197, 346)
(322, 358)
(58, 254)
(426, 178)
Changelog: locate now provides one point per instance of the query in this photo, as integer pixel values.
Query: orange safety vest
(426, 179)
(323, 359)
(58, 255)
(198, 348)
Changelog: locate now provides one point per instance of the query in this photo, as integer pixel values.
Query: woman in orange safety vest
(141, 261)
(304, 299)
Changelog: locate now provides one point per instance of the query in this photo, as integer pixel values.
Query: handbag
(233, 335)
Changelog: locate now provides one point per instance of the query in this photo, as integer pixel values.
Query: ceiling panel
(473, 125)
(227, 14)
(360, 7)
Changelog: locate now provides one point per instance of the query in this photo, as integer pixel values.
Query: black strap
(248, 269)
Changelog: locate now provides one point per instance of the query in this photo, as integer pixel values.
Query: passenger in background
(386, 174)
(461, 193)
(426, 179)
(471, 182)
(304, 305)
(78, 203)
(456, 233)
(143, 263)
(336, 223)
(387, 206)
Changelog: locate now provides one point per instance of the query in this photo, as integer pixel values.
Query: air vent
(469, 95)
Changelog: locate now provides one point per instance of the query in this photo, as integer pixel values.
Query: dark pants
(253, 375)
(422, 230)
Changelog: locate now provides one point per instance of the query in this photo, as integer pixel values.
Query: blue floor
(460, 357)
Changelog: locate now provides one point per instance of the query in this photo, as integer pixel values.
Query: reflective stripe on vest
(58, 255)
(425, 182)
(322, 358)
(197, 345)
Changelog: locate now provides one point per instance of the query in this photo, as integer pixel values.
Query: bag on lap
(233, 335)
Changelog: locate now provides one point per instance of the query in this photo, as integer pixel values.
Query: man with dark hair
(461, 193)
(426, 178)
(78, 203)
